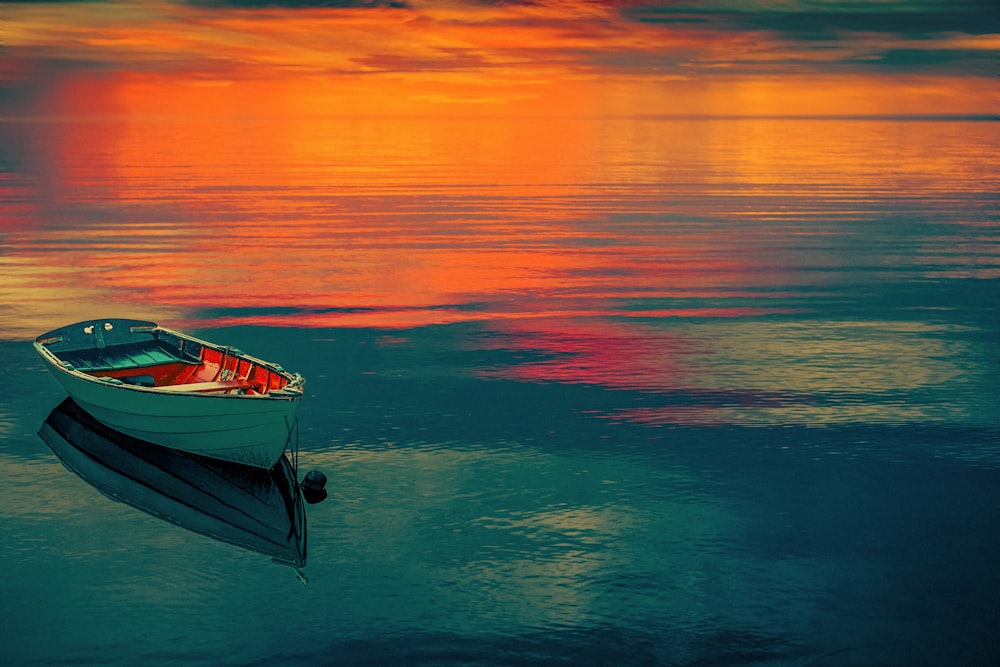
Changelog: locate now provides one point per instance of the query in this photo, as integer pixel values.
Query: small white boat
(175, 390)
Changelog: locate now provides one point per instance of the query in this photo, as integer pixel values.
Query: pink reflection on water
(617, 355)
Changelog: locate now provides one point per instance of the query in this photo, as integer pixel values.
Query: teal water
(711, 393)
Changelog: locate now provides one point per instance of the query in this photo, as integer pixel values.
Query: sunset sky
(541, 57)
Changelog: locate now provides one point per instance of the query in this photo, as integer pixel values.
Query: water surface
(597, 391)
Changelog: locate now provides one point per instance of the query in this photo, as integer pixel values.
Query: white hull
(251, 430)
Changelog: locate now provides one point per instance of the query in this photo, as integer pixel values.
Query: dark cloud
(914, 20)
(913, 25)
(954, 61)
(841, 27)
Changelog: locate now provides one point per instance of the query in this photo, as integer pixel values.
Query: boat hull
(250, 430)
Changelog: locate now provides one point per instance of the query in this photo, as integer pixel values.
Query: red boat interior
(191, 369)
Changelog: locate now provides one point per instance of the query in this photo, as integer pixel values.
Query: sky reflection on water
(686, 391)
(805, 271)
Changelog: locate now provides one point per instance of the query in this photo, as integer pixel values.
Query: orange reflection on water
(389, 222)
(189, 198)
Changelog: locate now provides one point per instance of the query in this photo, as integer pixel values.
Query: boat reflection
(256, 509)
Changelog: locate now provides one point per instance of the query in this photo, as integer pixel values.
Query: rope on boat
(293, 447)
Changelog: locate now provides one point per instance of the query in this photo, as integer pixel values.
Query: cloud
(958, 62)
(834, 37)
(914, 19)
(457, 49)
(301, 4)
(448, 60)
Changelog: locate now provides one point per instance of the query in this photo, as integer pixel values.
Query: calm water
(597, 391)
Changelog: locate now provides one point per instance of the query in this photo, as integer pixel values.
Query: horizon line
(983, 117)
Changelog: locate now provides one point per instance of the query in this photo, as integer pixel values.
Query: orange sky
(549, 57)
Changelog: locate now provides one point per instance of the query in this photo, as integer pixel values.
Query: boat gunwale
(292, 390)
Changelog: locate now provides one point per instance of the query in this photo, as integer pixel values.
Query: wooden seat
(201, 387)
